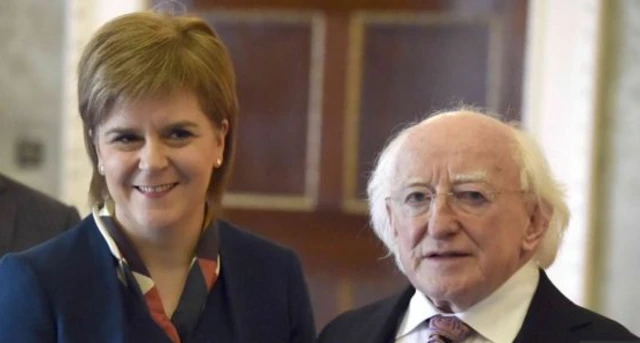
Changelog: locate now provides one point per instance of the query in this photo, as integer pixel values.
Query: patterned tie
(447, 330)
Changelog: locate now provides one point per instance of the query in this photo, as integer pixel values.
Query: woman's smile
(156, 191)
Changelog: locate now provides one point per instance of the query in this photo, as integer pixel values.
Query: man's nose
(443, 220)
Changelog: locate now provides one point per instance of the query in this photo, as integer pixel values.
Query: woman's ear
(223, 129)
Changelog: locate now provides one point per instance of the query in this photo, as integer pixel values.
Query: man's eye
(471, 197)
(418, 198)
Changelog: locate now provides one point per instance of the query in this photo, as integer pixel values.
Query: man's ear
(394, 232)
(539, 217)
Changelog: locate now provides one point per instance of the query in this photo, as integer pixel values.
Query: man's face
(461, 223)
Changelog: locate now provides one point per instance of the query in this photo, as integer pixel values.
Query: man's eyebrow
(416, 182)
(478, 176)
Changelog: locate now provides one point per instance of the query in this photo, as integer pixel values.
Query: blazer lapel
(129, 320)
(551, 316)
(227, 304)
(8, 209)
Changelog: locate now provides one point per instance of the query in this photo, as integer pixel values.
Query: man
(468, 208)
(28, 217)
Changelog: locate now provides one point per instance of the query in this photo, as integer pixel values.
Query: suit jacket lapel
(8, 209)
(386, 318)
(551, 316)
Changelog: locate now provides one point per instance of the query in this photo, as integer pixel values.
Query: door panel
(322, 84)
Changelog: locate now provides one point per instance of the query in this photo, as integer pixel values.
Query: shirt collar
(419, 310)
(500, 316)
(497, 317)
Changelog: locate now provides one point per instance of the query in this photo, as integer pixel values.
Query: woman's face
(157, 157)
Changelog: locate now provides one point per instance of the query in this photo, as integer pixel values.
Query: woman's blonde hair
(152, 55)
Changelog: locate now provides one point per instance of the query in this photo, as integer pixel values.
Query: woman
(152, 264)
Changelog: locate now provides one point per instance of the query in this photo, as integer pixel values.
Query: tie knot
(447, 329)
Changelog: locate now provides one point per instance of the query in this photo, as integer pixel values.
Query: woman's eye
(125, 139)
(180, 134)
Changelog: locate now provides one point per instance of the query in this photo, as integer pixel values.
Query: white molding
(560, 110)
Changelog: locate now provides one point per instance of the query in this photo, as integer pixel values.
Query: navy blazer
(28, 217)
(67, 291)
(551, 318)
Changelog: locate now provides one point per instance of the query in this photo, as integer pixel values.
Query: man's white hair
(535, 178)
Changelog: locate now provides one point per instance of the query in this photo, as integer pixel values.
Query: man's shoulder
(29, 196)
(551, 315)
(600, 327)
(378, 318)
(354, 319)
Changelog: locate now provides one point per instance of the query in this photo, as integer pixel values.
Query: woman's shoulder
(231, 234)
(236, 240)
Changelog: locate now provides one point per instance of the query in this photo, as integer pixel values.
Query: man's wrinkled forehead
(457, 147)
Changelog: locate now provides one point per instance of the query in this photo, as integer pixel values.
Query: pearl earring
(219, 162)
(101, 169)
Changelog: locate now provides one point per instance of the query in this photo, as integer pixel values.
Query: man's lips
(447, 254)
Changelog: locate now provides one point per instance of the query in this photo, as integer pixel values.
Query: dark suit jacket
(28, 217)
(551, 318)
(67, 291)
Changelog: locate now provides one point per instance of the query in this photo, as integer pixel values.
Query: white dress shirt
(496, 319)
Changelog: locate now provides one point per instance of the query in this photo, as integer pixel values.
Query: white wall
(620, 277)
(41, 43)
(581, 101)
(560, 93)
(30, 81)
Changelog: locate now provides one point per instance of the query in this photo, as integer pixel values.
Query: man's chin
(451, 294)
